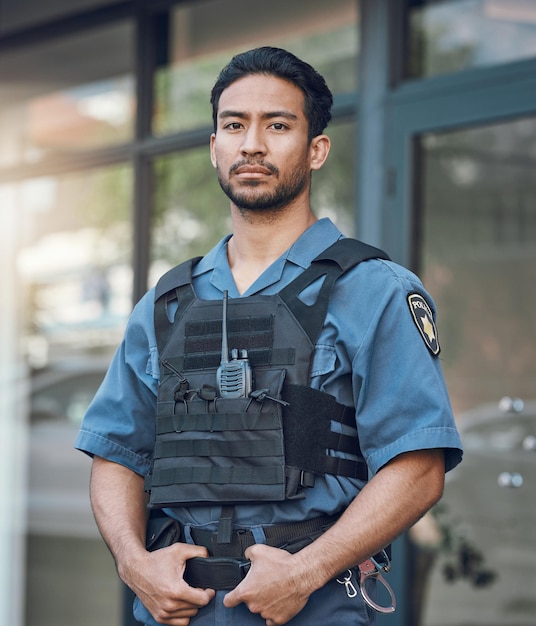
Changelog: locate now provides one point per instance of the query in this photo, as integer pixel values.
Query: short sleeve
(402, 401)
(119, 424)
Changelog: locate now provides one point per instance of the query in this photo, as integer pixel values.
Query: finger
(196, 596)
(177, 618)
(232, 598)
(189, 551)
(174, 616)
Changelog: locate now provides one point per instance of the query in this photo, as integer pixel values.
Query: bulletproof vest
(237, 420)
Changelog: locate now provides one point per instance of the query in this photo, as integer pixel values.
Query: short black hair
(283, 64)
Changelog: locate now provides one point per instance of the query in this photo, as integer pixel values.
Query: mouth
(252, 171)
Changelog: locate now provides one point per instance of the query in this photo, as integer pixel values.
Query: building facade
(106, 182)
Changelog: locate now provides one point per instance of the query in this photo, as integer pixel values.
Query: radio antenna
(224, 346)
(234, 376)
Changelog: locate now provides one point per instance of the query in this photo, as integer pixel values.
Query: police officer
(375, 356)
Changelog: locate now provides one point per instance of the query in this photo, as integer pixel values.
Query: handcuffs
(370, 568)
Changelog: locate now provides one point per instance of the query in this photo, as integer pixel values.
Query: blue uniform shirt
(371, 354)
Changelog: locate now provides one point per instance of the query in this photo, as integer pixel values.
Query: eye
(233, 126)
(278, 126)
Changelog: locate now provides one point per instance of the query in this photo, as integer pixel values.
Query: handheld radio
(234, 376)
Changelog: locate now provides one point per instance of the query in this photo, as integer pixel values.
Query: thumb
(235, 597)
(232, 598)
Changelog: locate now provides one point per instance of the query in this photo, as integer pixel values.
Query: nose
(253, 141)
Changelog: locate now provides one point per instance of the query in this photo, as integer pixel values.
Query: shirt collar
(312, 242)
(309, 245)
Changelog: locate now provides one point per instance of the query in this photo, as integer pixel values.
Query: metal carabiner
(370, 569)
(351, 591)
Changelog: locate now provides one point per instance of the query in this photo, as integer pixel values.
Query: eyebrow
(268, 115)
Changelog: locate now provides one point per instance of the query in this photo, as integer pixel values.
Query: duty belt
(226, 565)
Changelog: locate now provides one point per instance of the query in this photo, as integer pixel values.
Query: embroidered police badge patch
(422, 315)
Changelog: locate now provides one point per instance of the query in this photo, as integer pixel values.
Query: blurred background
(106, 182)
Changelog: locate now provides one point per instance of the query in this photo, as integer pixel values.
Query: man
(374, 355)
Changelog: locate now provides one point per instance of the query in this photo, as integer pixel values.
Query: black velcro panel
(308, 434)
(306, 424)
(243, 333)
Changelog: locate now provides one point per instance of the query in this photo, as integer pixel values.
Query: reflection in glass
(79, 95)
(74, 263)
(333, 190)
(458, 34)
(480, 257)
(191, 213)
(478, 199)
(205, 35)
(73, 248)
(25, 13)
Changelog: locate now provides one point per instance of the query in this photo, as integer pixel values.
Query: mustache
(253, 163)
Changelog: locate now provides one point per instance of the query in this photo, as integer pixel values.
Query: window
(190, 211)
(204, 36)
(73, 249)
(453, 35)
(479, 263)
(479, 255)
(66, 95)
(25, 13)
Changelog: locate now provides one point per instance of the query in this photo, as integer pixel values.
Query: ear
(319, 150)
(213, 150)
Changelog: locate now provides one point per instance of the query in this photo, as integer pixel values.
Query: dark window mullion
(144, 63)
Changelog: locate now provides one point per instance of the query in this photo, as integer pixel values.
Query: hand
(157, 580)
(275, 586)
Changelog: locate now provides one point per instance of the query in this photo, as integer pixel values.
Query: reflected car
(58, 475)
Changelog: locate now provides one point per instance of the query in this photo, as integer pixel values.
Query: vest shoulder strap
(175, 277)
(176, 284)
(348, 252)
(340, 257)
(337, 259)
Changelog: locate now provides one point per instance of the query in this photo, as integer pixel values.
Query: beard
(248, 197)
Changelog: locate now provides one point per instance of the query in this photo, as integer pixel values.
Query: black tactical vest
(236, 418)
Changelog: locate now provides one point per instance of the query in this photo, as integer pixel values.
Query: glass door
(475, 221)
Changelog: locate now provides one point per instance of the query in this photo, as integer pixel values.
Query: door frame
(472, 98)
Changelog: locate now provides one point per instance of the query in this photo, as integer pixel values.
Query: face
(261, 148)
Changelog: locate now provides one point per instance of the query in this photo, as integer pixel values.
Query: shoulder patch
(423, 318)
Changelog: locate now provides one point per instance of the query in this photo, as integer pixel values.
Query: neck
(259, 239)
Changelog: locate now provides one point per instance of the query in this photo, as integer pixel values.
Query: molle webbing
(267, 446)
(203, 343)
(244, 437)
(226, 450)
